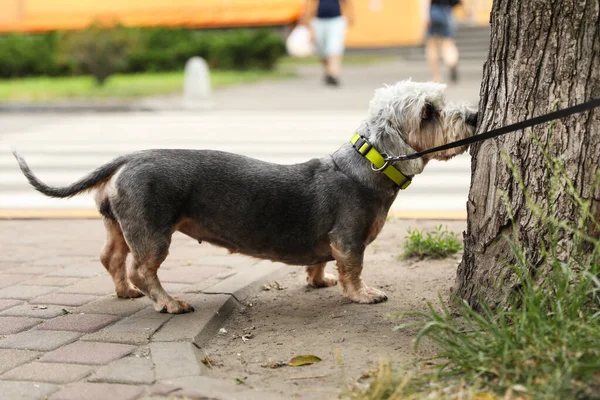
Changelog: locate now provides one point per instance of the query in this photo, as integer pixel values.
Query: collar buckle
(362, 146)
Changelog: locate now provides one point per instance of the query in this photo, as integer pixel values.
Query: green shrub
(167, 50)
(102, 51)
(28, 55)
(438, 243)
(98, 50)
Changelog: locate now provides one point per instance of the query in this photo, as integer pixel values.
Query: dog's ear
(391, 139)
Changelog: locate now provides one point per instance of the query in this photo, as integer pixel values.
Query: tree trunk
(544, 55)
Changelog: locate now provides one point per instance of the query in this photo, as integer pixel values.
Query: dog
(305, 214)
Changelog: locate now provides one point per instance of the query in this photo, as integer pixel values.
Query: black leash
(501, 131)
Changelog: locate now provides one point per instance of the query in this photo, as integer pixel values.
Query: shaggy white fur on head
(414, 116)
(407, 97)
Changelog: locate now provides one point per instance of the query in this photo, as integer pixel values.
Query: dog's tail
(88, 182)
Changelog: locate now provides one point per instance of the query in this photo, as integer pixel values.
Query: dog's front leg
(349, 261)
(317, 277)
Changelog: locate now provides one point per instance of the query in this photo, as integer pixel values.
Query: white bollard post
(196, 84)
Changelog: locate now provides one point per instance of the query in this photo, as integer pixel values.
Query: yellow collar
(367, 150)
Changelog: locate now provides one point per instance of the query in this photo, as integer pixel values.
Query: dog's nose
(472, 119)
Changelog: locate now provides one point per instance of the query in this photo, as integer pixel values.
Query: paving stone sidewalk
(64, 334)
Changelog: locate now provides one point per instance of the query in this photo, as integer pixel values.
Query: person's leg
(432, 55)
(335, 48)
(334, 66)
(320, 37)
(450, 57)
(449, 49)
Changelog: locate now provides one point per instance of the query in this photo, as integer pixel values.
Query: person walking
(328, 20)
(440, 38)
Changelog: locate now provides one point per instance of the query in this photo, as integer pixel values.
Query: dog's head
(414, 116)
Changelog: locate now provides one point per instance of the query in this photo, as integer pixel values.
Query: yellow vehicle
(379, 23)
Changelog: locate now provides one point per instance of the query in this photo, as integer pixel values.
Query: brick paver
(80, 271)
(130, 370)
(63, 261)
(162, 389)
(25, 292)
(10, 390)
(6, 304)
(48, 372)
(189, 274)
(50, 280)
(187, 395)
(98, 285)
(177, 288)
(173, 360)
(79, 322)
(12, 358)
(7, 280)
(32, 270)
(10, 325)
(98, 391)
(114, 306)
(92, 353)
(35, 311)
(136, 329)
(39, 340)
(64, 299)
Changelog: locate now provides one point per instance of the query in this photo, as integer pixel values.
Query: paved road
(285, 122)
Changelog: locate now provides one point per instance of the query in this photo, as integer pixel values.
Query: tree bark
(544, 55)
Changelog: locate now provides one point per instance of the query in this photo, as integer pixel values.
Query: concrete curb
(141, 105)
(74, 108)
(240, 287)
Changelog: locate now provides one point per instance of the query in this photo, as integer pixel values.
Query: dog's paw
(367, 295)
(174, 305)
(327, 281)
(129, 293)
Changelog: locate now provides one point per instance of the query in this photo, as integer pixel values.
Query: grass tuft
(438, 243)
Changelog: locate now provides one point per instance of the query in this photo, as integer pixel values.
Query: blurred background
(82, 81)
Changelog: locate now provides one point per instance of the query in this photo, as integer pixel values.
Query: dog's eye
(427, 111)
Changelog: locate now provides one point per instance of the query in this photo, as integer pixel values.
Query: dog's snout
(472, 119)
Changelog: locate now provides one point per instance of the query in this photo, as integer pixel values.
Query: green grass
(118, 86)
(349, 59)
(544, 344)
(438, 243)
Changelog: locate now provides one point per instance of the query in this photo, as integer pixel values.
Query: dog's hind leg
(114, 257)
(149, 251)
(350, 264)
(318, 278)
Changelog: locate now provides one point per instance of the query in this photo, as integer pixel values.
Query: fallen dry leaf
(484, 396)
(299, 361)
(273, 285)
(207, 361)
